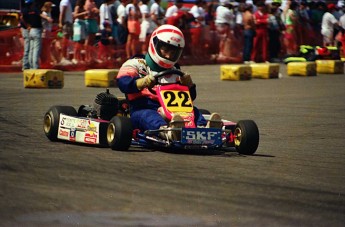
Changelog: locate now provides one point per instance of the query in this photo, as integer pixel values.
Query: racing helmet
(166, 38)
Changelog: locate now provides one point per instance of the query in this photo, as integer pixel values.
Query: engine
(105, 107)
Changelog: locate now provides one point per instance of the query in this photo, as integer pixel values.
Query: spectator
(79, 30)
(146, 27)
(65, 23)
(105, 53)
(32, 24)
(46, 33)
(157, 13)
(91, 20)
(47, 24)
(342, 31)
(224, 24)
(198, 11)
(173, 14)
(290, 38)
(260, 45)
(197, 29)
(56, 50)
(275, 29)
(121, 36)
(238, 11)
(316, 13)
(248, 32)
(113, 14)
(304, 27)
(105, 14)
(327, 26)
(133, 26)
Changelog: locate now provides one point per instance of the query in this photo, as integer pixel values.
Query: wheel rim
(47, 123)
(238, 136)
(111, 133)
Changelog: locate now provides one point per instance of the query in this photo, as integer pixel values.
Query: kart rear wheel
(52, 118)
(246, 137)
(119, 133)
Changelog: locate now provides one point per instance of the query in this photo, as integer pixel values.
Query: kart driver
(136, 75)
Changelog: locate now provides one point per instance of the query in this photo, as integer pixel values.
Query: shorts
(91, 26)
(79, 30)
(133, 27)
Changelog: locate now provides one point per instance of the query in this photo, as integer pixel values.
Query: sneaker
(176, 122)
(215, 121)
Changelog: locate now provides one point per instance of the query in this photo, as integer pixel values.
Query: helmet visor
(167, 51)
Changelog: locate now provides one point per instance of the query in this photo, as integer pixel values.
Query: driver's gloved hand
(146, 82)
(186, 80)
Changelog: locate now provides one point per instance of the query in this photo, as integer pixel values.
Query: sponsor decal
(79, 129)
(90, 138)
(63, 133)
(72, 134)
(70, 122)
(91, 134)
(175, 39)
(204, 136)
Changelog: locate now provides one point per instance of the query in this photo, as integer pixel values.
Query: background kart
(116, 131)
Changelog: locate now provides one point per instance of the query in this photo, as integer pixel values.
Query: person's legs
(128, 45)
(248, 44)
(255, 47)
(36, 36)
(264, 45)
(25, 34)
(147, 119)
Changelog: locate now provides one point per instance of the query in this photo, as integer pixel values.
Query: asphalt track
(296, 177)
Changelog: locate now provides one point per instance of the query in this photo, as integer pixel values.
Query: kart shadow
(225, 152)
(131, 149)
(200, 152)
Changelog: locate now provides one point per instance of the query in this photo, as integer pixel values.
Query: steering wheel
(164, 73)
(169, 71)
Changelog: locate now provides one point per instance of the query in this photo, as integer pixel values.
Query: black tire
(247, 137)
(204, 111)
(119, 133)
(52, 117)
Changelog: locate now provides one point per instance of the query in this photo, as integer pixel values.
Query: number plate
(203, 136)
(177, 101)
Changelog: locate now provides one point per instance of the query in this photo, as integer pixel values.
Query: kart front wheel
(246, 137)
(52, 118)
(119, 133)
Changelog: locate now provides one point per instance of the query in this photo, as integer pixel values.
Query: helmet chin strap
(153, 65)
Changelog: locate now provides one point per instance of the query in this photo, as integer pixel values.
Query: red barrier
(201, 44)
(11, 46)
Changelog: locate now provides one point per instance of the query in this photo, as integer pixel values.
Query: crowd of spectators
(222, 31)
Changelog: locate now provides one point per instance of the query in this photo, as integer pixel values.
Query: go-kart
(108, 123)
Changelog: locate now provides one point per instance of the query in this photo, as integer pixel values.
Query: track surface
(296, 178)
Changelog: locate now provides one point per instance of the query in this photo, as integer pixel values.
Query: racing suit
(143, 104)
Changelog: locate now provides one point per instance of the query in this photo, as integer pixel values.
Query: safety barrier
(202, 47)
